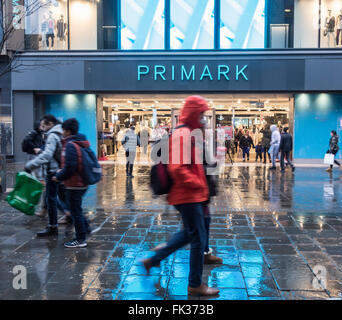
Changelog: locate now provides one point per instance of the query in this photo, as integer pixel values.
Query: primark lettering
(221, 72)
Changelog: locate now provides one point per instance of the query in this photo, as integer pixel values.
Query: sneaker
(329, 170)
(293, 169)
(75, 244)
(211, 259)
(273, 168)
(48, 232)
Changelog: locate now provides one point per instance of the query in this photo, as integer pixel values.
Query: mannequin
(339, 28)
(61, 32)
(330, 27)
(43, 29)
(51, 25)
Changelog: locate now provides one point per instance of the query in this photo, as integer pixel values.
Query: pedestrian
(33, 144)
(266, 143)
(333, 148)
(285, 147)
(275, 142)
(130, 142)
(259, 151)
(188, 193)
(50, 159)
(75, 188)
(245, 144)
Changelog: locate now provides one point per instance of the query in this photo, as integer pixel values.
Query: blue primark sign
(220, 72)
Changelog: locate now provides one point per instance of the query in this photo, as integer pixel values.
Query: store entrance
(230, 116)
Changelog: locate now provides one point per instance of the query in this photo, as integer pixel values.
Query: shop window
(331, 20)
(142, 24)
(192, 24)
(242, 24)
(46, 28)
(83, 24)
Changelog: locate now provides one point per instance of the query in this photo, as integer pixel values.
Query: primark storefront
(266, 67)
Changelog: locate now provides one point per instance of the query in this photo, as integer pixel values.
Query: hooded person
(275, 143)
(188, 193)
(71, 162)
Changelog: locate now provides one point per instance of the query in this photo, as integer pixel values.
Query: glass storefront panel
(192, 24)
(242, 24)
(142, 24)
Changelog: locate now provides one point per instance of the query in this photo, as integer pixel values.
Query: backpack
(89, 168)
(27, 144)
(160, 180)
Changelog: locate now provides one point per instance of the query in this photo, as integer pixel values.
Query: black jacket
(266, 138)
(246, 142)
(333, 144)
(285, 142)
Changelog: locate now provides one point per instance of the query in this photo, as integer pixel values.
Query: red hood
(79, 139)
(193, 107)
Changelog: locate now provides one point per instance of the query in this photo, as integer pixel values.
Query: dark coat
(286, 142)
(333, 144)
(246, 142)
(266, 138)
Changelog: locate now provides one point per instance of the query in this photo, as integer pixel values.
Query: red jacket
(71, 161)
(189, 181)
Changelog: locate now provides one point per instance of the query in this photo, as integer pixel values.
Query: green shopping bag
(26, 194)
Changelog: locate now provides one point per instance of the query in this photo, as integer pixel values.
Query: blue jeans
(274, 150)
(74, 199)
(51, 200)
(245, 150)
(194, 232)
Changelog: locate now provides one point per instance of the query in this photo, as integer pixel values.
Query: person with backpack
(71, 175)
(130, 142)
(275, 142)
(188, 192)
(333, 148)
(50, 159)
(266, 142)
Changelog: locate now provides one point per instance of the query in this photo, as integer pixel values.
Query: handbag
(329, 158)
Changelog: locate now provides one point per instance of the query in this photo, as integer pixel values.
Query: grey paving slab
(279, 237)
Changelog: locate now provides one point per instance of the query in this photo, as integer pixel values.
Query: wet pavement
(280, 237)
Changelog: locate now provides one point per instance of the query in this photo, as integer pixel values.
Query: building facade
(113, 63)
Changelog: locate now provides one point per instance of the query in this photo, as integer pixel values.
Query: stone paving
(280, 237)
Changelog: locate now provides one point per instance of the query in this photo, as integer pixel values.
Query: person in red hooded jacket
(188, 193)
(71, 161)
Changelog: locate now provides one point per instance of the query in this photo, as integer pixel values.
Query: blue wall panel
(315, 116)
(79, 106)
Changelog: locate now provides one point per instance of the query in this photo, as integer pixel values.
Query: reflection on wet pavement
(279, 236)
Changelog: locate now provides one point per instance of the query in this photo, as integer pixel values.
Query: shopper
(275, 142)
(130, 142)
(50, 158)
(266, 142)
(285, 148)
(259, 151)
(75, 187)
(188, 192)
(245, 144)
(333, 148)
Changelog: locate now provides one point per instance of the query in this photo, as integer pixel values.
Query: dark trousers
(51, 200)
(338, 33)
(74, 198)
(258, 155)
(245, 150)
(194, 232)
(282, 156)
(266, 153)
(335, 161)
(130, 156)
